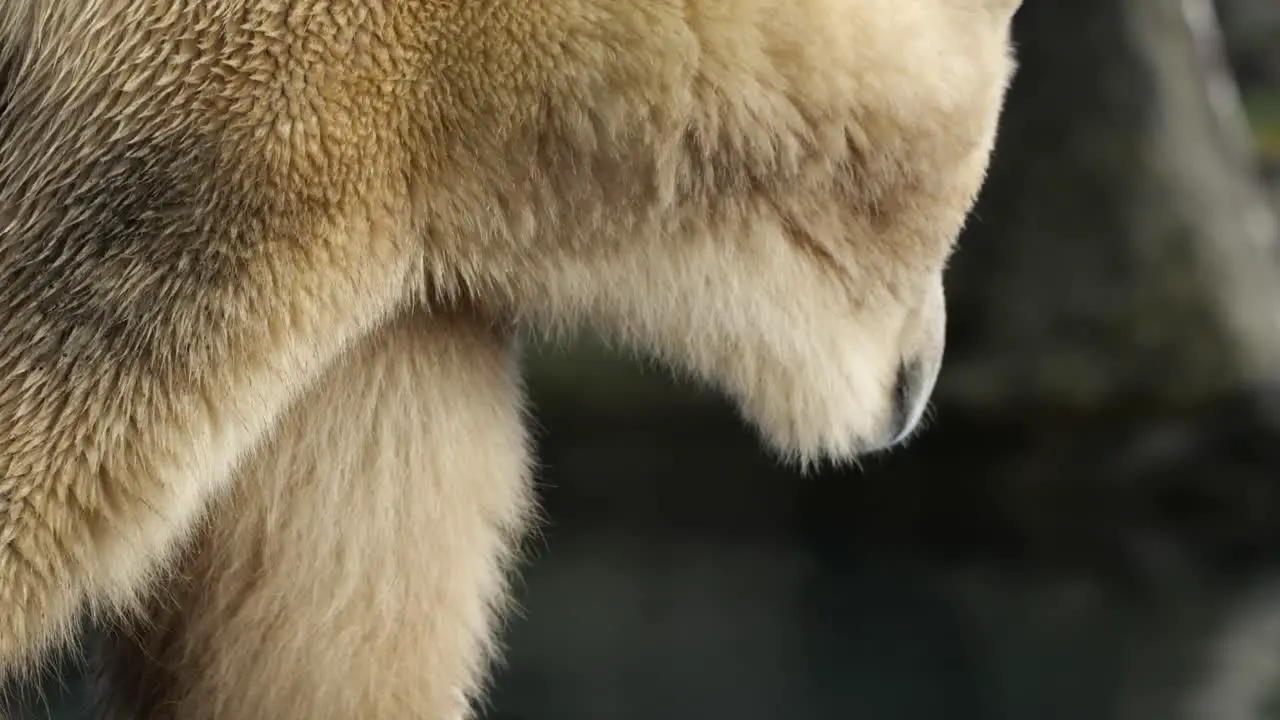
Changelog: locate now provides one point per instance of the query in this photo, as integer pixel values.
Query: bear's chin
(811, 414)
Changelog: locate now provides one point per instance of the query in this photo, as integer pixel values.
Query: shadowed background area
(1087, 527)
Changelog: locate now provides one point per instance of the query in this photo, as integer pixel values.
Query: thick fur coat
(261, 263)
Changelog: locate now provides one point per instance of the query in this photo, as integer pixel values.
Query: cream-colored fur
(354, 569)
(220, 220)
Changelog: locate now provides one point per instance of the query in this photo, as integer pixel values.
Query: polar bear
(262, 264)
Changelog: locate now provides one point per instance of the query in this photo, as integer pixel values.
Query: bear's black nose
(906, 400)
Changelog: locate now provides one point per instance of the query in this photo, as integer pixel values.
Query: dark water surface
(623, 627)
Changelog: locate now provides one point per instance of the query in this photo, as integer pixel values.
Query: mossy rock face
(1269, 142)
(1263, 108)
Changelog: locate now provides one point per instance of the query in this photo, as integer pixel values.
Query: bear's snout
(922, 343)
(911, 394)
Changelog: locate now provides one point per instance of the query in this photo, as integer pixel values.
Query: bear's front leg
(358, 566)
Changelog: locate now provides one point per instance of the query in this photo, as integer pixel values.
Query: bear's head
(761, 192)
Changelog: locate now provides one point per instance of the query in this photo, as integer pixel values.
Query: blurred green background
(1088, 528)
